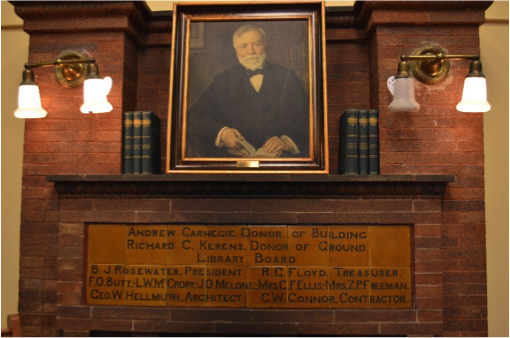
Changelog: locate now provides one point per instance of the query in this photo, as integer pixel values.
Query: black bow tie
(251, 73)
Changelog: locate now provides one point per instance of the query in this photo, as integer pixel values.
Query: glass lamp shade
(474, 96)
(29, 103)
(403, 98)
(94, 96)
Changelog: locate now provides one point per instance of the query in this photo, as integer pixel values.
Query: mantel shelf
(251, 186)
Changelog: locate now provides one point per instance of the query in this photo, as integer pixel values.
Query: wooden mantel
(252, 186)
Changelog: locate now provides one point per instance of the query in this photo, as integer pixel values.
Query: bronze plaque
(345, 267)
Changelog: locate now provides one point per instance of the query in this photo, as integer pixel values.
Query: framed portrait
(248, 89)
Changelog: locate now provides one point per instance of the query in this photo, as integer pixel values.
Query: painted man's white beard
(252, 62)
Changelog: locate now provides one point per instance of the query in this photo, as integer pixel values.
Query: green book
(363, 142)
(150, 143)
(348, 152)
(127, 142)
(373, 142)
(137, 142)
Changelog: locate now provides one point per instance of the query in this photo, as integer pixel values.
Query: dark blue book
(363, 142)
(137, 142)
(373, 142)
(127, 142)
(150, 143)
(348, 157)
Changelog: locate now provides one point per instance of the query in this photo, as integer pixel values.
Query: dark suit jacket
(279, 108)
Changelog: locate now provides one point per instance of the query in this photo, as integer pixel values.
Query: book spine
(373, 142)
(363, 142)
(127, 143)
(137, 142)
(156, 145)
(146, 142)
(348, 156)
(150, 144)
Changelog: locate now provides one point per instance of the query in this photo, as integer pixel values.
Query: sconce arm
(440, 57)
(58, 62)
(71, 68)
(430, 64)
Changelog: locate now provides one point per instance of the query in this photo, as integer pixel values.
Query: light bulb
(474, 96)
(95, 91)
(29, 103)
(403, 99)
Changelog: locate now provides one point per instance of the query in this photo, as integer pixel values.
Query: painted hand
(231, 138)
(275, 144)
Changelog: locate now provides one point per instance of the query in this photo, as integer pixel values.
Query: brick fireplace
(431, 174)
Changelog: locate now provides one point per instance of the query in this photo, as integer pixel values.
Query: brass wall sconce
(431, 65)
(72, 69)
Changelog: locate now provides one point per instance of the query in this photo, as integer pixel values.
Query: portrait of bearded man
(254, 101)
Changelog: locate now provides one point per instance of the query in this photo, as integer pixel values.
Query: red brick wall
(423, 319)
(440, 140)
(154, 87)
(65, 142)
(348, 87)
(450, 256)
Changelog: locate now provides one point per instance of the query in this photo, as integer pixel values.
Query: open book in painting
(249, 151)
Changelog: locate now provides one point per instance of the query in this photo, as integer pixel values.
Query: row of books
(140, 143)
(359, 142)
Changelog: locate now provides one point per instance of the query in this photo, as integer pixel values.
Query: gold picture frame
(223, 119)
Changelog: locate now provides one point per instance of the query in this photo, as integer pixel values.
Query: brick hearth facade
(432, 167)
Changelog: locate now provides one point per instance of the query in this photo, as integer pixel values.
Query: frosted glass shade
(403, 98)
(94, 96)
(29, 103)
(474, 96)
